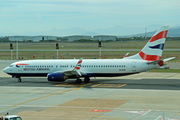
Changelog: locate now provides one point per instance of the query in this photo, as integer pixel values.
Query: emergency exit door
(133, 66)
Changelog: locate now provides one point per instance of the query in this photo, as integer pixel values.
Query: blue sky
(22, 16)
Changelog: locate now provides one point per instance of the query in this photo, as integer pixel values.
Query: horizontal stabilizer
(154, 62)
(160, 62)
(167, 59)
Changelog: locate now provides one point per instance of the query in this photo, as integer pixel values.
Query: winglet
(126, 55)
(78, 66)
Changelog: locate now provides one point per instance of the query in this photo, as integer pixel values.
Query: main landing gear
(86, 80)
(78, 81)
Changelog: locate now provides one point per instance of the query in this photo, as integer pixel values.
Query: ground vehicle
(10, 117)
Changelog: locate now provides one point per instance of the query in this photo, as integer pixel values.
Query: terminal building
(33, 38)
(79, 37)
(105, 37)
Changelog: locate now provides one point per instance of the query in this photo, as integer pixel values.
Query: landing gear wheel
(19, 79)
(78, 81)
(86, 79)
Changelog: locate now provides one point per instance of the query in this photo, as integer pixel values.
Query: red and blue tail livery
(153, 50)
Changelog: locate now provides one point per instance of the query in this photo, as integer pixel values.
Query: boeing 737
(60, 70)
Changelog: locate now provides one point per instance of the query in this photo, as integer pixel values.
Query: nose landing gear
(19, 79)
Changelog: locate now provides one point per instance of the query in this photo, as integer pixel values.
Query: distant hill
(119, 31)
(172, 32)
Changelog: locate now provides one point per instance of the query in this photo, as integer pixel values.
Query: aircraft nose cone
(5, 70)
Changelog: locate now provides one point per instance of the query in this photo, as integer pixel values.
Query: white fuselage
(90, 67)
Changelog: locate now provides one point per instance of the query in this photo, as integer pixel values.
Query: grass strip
(166, 70)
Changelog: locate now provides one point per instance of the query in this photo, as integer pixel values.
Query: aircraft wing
(76, 71)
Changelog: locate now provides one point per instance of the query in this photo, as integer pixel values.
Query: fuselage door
(133, 66)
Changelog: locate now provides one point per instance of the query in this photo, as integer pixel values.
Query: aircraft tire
(19, 79)
(86, 79)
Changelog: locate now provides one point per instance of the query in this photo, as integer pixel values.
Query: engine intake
(56, 77)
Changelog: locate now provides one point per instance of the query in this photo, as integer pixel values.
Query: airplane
(60, 70)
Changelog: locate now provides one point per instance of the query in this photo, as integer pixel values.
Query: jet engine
(56, 77)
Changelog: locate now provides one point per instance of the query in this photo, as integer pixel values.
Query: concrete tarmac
(136, 97)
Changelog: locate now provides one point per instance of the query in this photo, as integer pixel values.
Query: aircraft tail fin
(153, 50)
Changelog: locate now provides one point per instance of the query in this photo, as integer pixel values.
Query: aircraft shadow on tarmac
(164, 84)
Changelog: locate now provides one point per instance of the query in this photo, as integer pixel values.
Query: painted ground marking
(43, 97)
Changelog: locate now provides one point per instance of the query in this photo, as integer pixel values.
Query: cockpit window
(11, 65)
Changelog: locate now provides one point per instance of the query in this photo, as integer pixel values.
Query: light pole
(99, 47)
(16, 48)
(57, 47)
(11, 47)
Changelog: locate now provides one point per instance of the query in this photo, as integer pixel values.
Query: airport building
(79, 37)
(104, 37)
(33, 38)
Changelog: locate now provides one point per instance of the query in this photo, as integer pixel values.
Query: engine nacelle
(56, 77)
